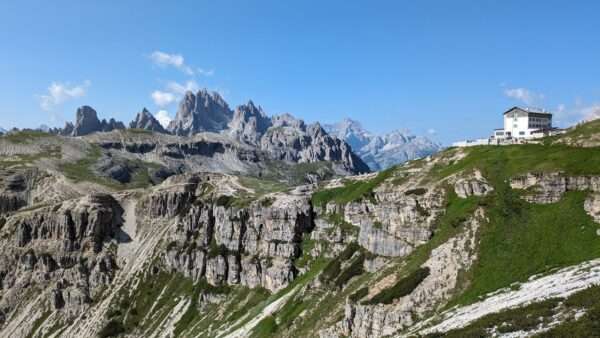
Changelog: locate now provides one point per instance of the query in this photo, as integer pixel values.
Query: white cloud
(163, 59)
(173, 92)
(590, 112)
(163, 118)
(175, 60)
(205, 72)
(163, 99)
(566, 115)
(431, 131)
(59, 93)
(524, 95)
(178, 88)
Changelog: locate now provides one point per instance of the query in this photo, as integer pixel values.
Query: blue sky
(445, 67)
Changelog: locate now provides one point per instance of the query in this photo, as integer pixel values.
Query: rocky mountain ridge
(144, 120)
(206, 113)
(382, 151)
(200, 112)
(420, 249)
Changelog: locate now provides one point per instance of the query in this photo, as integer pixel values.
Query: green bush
(354, 269)
(417, 191)
(359, 294)
(112, 313)
(331, 271)
(349, 251)
(112, 329)
(402, 288)
(224, 201)
(266, 327)
(267, 202)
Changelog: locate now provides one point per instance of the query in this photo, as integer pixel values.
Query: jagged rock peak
(316, 130)
(86, 121)
(288, 120)
(249, 123)
(204, 111)
(145, 120)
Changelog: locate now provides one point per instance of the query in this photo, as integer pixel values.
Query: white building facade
(523, 123)
(520, 125)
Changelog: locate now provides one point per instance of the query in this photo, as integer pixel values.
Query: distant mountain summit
(87, 122)
(249, 123)
(145, 120)
(203, 111)
(382, 151)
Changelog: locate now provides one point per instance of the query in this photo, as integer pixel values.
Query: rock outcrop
(393, 222)
(87, 122)
(201, 112)
(16, 188)
(546, 188)
(291, 140)
(443, 267)
(146, 121)
(249, 123)
(252, 246)
(472, 185)
(592, 206)
(59, 249)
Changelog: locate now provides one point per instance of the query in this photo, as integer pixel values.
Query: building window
(521, 133)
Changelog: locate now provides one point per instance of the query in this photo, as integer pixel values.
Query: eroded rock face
(549, 187)
(16, 188)
(249, 123)
(290, 140)
(200, 112)
(87, 122)
(252, 246)
(394, 222)
(444, 265)
(473, 185)
(61, 248)
(146, 121)
(592, 206)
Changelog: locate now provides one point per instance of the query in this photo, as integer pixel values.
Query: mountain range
(283, 136)
(247, 127)
(261, 230)
(382, 151)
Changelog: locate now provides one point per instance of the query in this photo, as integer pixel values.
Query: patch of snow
(561, 284)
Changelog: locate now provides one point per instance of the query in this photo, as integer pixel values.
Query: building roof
(529, 110)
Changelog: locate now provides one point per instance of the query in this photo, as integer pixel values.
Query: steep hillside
(481, 241)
